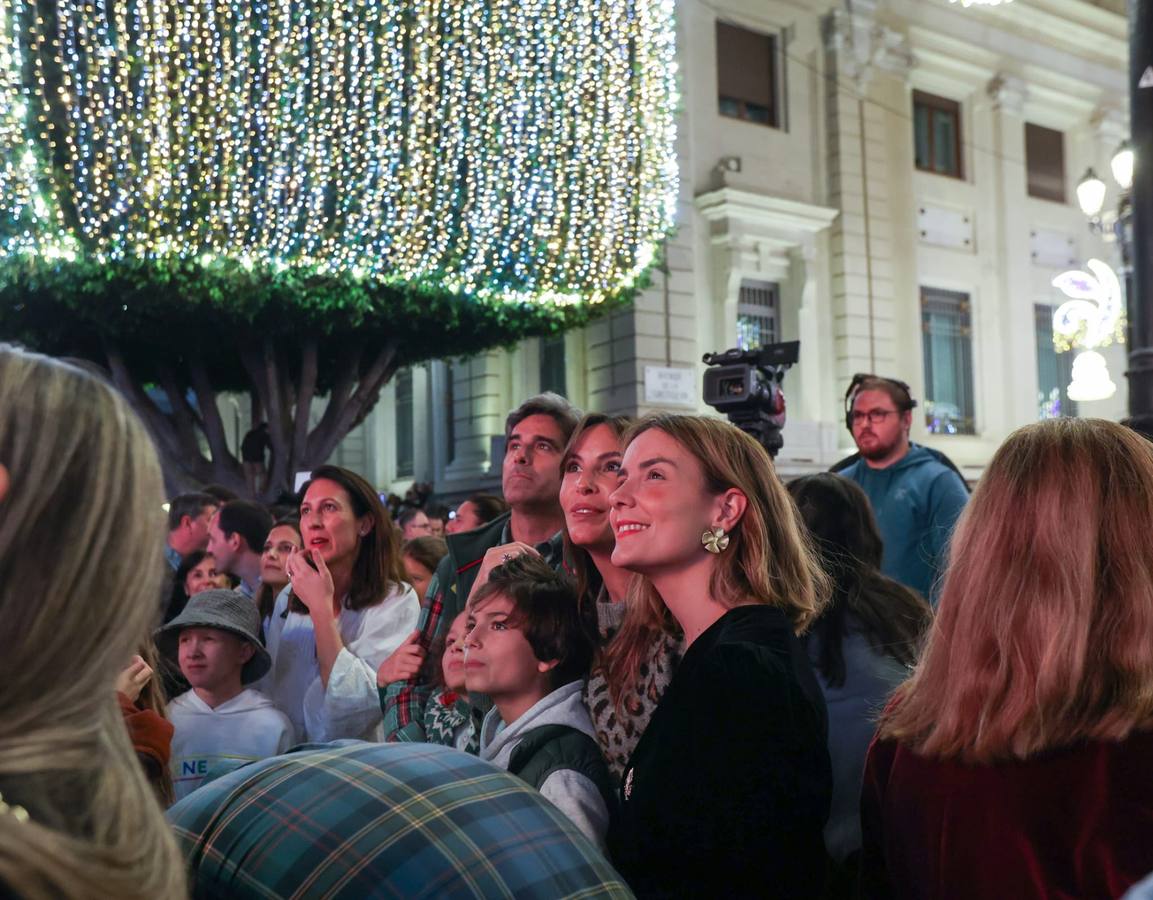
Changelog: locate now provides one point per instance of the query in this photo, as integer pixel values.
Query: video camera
(745, 385)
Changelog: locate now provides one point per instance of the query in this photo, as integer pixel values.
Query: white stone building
(891, 182)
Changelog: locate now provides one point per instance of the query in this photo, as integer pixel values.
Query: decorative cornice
(1007, 92)
(763, 211)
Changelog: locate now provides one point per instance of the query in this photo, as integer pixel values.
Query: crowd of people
(650, 667)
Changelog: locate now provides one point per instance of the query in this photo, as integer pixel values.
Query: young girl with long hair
(1015, 761)
(77, 816)
(862, 646)
(589, 474)
(346, 609)
(728, 789)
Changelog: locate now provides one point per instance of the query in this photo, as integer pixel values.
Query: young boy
(529, 648)
(219, 723)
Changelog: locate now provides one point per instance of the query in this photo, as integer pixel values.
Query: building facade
(890, 182)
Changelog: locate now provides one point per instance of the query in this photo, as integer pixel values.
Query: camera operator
(916, 496)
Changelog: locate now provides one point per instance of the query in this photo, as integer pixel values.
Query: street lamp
(1091, 194)
(1122, 166)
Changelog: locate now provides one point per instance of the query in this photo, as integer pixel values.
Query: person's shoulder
(467, 547)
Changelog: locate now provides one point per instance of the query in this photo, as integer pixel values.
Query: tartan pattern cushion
(383, 820)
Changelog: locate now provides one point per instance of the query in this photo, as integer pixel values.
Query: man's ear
(247, 652)
(544, 667)
(730, 509)
(236, 542)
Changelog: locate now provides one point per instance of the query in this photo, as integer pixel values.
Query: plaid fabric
(383, 820)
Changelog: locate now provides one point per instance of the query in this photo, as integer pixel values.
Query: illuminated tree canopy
(250, 189)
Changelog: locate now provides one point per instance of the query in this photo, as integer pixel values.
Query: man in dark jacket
(536, 433)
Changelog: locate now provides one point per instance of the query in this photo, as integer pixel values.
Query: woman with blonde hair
(77, 817)
(728, 789)
(1015, 761)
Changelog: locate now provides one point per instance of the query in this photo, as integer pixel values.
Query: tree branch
(337, 400)
(224, 462)
(305, 391)
(351, 413)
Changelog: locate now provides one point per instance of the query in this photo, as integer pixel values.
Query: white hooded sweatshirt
(572, 793)
(244, 729)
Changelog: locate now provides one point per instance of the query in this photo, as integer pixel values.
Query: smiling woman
(728, 789)
(346, 609)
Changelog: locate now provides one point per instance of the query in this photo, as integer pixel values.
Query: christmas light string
(508, 150)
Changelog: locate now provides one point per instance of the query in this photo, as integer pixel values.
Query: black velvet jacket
(728, 790)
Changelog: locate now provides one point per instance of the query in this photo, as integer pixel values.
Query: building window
(1054, 370)
(552, 364)
(405, 454)
(747, 75)
(937, 134)
(1045, 161)
(756, 315)
(948, 355)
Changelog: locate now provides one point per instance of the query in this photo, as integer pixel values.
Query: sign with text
(666, 386)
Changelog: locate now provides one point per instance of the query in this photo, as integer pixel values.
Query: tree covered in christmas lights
(297, 197)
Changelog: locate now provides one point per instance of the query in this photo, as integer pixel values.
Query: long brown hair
(78, 459)
(1042, 633)
(378, 568)
(577, 560)
(844, 530)
(768, 561)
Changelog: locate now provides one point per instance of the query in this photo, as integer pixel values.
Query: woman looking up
(590, 473)
(1015, 761)
(346, 609)
(77, 817)
(728, 789)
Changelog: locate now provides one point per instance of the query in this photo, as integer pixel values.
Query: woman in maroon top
(1018, 759)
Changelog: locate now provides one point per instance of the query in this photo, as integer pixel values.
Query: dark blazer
(728, 790)
(1071, 823)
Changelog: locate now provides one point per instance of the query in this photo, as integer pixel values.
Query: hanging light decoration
(968, 3)
(1092, 317)
(501, 149)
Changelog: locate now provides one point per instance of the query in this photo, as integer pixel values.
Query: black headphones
(855, 387)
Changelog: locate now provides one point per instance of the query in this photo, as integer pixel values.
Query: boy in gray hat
(219, 723)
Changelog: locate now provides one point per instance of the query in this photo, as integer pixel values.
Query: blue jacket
(917, 501)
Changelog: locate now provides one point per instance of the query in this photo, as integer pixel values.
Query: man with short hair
(236, 538)
(189, 516)
(536, 433)
(413, 523)
(219, 722)
(915, 496)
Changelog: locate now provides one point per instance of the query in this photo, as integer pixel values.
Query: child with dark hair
(528, 647)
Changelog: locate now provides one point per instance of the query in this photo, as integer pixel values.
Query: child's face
(211, 658)
(452, 662)
(498, 659)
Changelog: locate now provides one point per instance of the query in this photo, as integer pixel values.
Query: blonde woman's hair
(1042, 633)
(768, 561)
(81, 568)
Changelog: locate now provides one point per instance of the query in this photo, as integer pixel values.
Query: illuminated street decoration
(505, 150)
(1092, 317)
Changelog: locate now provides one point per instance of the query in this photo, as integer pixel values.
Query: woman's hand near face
(312, 585)
(131, 681)
(498, 556)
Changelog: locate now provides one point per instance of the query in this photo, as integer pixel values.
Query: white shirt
(350, 707)
(244, 729)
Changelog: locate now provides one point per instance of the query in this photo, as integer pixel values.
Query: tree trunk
(284, 397)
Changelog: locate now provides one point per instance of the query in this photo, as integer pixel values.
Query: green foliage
(165, 312)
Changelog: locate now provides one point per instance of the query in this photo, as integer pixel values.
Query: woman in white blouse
(346, 609)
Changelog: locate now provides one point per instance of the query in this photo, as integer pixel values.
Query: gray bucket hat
(228, 611)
